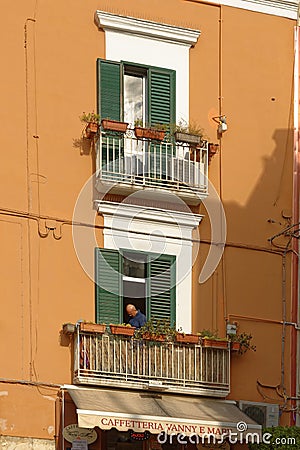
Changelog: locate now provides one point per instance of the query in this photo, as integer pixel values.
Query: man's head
(131, 310)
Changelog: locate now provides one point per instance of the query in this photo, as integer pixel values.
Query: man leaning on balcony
(137, 318)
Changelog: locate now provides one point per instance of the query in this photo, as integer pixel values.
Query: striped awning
(156, 413)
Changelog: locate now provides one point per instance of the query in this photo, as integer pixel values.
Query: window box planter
(91, 129)
(92, 327)
(187, 138)
(149, 133)
(187, 338)
(154, 337)
(215, 343)
(114, 125)
(122, 329)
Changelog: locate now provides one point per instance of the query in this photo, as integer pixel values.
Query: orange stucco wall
(243, 62)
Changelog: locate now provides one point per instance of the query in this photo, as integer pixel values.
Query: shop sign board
(73, 431)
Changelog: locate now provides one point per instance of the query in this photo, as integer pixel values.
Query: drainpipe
(295, 263)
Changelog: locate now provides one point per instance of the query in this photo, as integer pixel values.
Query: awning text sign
(153, 426)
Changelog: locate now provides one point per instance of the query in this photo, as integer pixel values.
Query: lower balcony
(126, 165)
(119, 361)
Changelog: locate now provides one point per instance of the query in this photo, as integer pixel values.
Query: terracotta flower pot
(92, 327)
(216, 343)
(114, 125)
(154, 337)
(91, 129)
(122, 329)
(149, 133)
(235, 346)
(187, 338)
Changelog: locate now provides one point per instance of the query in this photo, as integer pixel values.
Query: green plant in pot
(189, 338)
(154, 132)
(190, 133)
(92, 121)
(122, 329)
(210, 338)
(157, 330)
(243, 341)
(90, 118)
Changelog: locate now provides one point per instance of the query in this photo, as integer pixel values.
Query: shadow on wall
(264, 178)
(253, 278)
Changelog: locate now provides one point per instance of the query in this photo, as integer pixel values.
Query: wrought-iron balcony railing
(132, 164)
(119, 361)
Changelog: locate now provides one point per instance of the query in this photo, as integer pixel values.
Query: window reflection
(133, 98)
(134, 265)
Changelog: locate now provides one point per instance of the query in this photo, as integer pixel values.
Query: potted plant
(122, 329)
(92, 121)
(156, 132)
(90, 327)
(189, 133)
(210, 339)
(114, 125)
(241, 343)
(157, 330)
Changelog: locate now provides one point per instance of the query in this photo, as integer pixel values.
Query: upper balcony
(126, 362)
(126, 165)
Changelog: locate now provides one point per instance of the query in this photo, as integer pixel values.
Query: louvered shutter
(109, 89)
(162, 289)
(108, 278)
(162, 110)
(162, 96)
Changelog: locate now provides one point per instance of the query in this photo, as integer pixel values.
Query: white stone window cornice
(149, 214)
(146, 28)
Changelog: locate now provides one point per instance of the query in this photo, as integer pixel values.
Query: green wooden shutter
(161, 110)
(108, 279)
(162, 96)
(162, 289)
(109, 89)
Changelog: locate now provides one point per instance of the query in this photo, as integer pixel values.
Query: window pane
(133, 290)
(133, 98)
(134, 265)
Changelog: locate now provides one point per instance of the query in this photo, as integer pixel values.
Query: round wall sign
(73, 431)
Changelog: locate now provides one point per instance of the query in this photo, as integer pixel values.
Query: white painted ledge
(281, 8)
(146, 28)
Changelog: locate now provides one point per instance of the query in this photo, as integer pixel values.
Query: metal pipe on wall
(295, 260)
